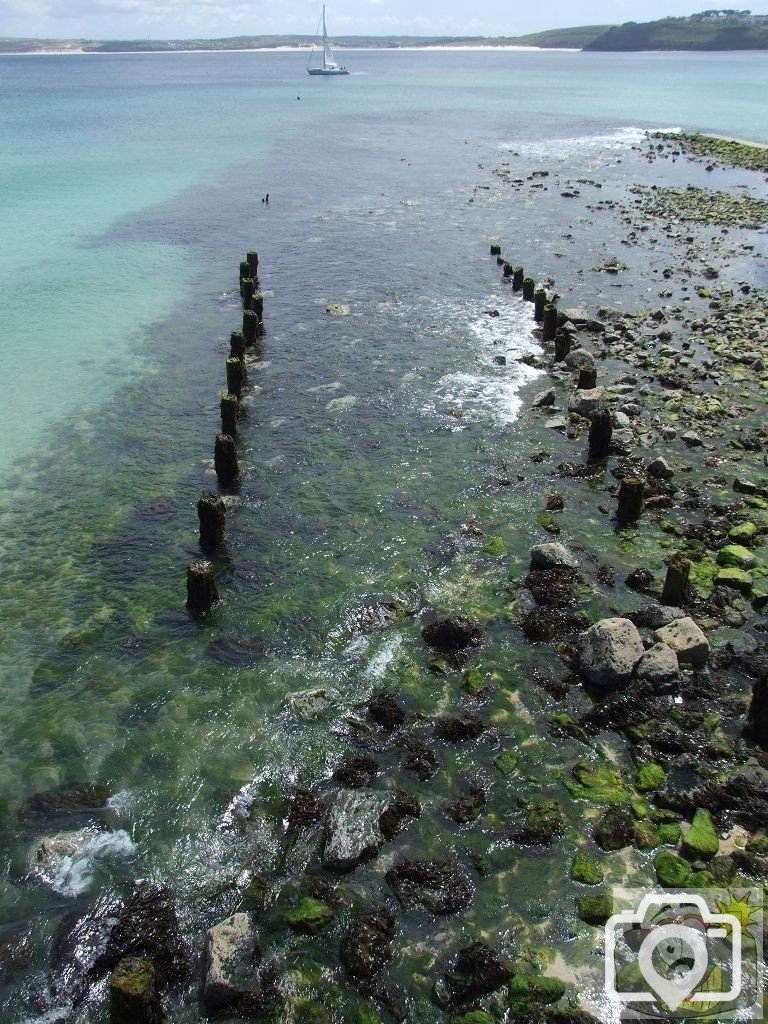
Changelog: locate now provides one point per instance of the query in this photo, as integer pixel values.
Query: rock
(543, 822)
(660, 667)
(421, 759)
(552, 556)
(232, 951)
(133, 995)
(65, 800)
(700, 842)
(357, 770)
(452, 634)
(386, 710)
(672, 871)
(686, 640)
(337, 309)
(660, 469)
(580, 359)
(468, 806)
(310, 916)
(609, 651)
(577, 316)
(640, 579)
(743, 533)
(354, 833)
(527, 992)
(757, 716)
(744, 486)
(617, 829)
(368, 944)
(544, 399)
(595, 908)
(436, 885)
(598, 781)
(586, 869)
(478, 971)
(736, 579)
(691, 439)
(734, 556)
(587, 402)
(466, 726)
(649, 777)
(554, 588)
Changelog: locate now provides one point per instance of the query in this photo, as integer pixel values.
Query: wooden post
(495, 249)
(225, 460)
(237, 346)
(675, 590)
(549, 325)
(508, 269)
(245, 270)
(250, 326)
(252, 259)
(235, 376)
(631, 499)
(257, 305)
(562, 345)
(600, 431)
(230, 413)
(529, 289)
(518, 276)
(587, 378)
(201, 586)
(133, 993)
(247, 289)
(211, 514)
(539, 302)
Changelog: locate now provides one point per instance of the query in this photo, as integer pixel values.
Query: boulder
(660, 469)
(552, 556)
(451, 634)
(686, 640)
(232, 951)
(438, 886)
(368, 944)
(544, 399)
(587, 402)
(133, 996)
(609, 652)
(354, 832)
(700, 842)
(735, 556)
(579, 359)
(659, 665)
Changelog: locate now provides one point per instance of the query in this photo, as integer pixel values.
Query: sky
(179, 19)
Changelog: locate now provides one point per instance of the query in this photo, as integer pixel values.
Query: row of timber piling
(202, 592)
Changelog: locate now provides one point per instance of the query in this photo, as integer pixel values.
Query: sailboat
(329, 65)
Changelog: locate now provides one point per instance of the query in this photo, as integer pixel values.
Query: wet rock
(660, 667)
(672, 871)
(368, 944)
(452, 634)
(310, 917)
(552, 556)
(232, 953)
(700, 842)
(757, 716)
(541, 824)
(468, 806)
(617, 829)
(595, 908)
(402, 806)
(736, 556)
(587, 402)
(609, 651)
(660, 469)
(421, 759)
(586, 870)
(640, 579)
(354, 833)
(554, 588)
(357, 770)
(438, 886)
(544, 399)
(629, 709)
(65, 800)
(549, 624)
(478, 971)
(386, 710)
(686, 640)
(133, 994)
(455, 729)
(306, 809)
(147, 926)
(580, 359)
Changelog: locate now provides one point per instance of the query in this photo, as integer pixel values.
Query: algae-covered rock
(368, 943)
(526, 990)
(474, 1017)
(649, 777)
(617, 829)
(672, 871)
(232, 952)
(595, 908)
(133, 996)
(452, 634)
(494, 547)
(598, 781)
(609, 651)
(669, 833)
(734, 556)
(586, 869)
(478, 970)
(543, 822)
(507, 762)
(438, 886)
(736, 579)
(700, 842)
(474, 682)
(743, 534)
(310, 916)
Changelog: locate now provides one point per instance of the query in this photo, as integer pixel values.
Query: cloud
(147, 11)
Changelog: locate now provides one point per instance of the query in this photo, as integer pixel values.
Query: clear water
(132, 186)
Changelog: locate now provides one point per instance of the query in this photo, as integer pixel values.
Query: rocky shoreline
(647, 446)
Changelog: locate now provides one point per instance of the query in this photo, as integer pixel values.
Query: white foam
(73, 874)
(380, 662)
(584, 145)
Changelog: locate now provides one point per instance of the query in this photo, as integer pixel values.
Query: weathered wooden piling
(235, 376)
(495, 249)
(600, 432)
(247, 290)
(201, 586)
(230, 413)
(518, 276)
(250, 326)
(587, 379)
(549, 323)
(562, 344)
(539, 302)
(500, 261)
(252, 259)
(257, 305)
(631, 499)
(508, 269)
(225, 460)
(529, 289)
(675, 590)
(211, 514)
(237, 346)
(245, 270)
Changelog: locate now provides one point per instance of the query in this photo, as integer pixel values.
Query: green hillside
(711, 30)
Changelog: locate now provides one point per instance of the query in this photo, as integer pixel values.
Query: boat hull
(327, 71)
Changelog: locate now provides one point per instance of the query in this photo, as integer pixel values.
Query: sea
(382, 446)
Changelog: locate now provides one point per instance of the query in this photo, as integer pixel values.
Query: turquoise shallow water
(373, 447)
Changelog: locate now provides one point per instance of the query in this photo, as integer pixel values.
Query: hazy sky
(125, 19)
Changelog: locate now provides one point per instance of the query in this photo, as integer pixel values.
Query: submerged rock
(478, 971)
(452, 634)
(455, 729)
(368, 944)
(360, 822)
(438, 886)
(386, 709)
(65, 800)
(542, 823)
(357, 770)
(232, 952)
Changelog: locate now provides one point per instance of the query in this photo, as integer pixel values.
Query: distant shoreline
(285, 49)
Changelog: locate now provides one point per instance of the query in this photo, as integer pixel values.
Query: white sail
(329, 65)
(328, 58)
